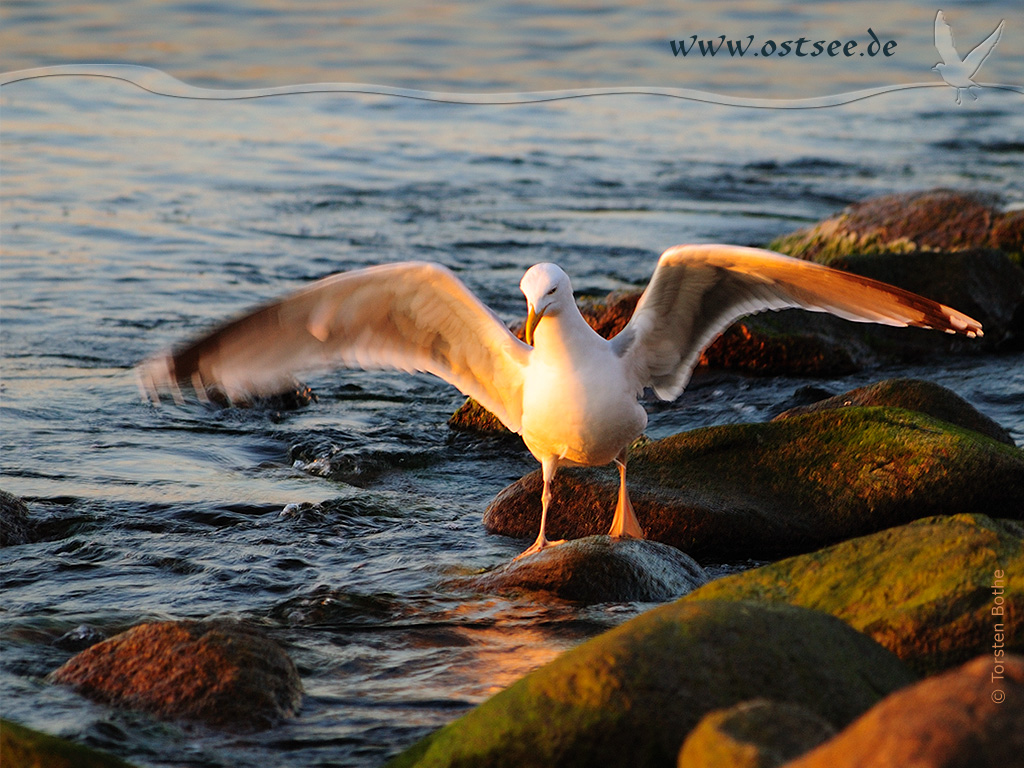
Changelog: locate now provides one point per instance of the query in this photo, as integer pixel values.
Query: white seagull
(571, 394)
(956, 72)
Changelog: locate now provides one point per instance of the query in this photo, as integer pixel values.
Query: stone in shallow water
(788, 486)
(22, 747)
(925, 591)
(629, 696)
(599, 569)
(220, 673)
(755, 734)
(914, 395)
(15, 525)
(961, 718)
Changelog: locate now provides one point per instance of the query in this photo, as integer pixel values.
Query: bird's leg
(548, 467)
(624, 523)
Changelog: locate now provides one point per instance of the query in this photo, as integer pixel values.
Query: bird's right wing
(944, 40)
(697, 291)
(974, 60)
(413, 316)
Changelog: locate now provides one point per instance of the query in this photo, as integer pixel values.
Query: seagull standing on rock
(571, 394)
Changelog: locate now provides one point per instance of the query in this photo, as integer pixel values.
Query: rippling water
(131, 220)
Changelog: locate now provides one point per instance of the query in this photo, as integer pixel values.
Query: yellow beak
(532, 318)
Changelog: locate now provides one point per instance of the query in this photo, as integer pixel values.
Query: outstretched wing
(944, 40)
(412, 316)
(697, 291)
(974, 60)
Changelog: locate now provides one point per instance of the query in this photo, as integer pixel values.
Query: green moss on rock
(22, 747)
(629, 696)
(923, 590)
(761, 490)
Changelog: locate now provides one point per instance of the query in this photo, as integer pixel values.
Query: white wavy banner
(162, 84)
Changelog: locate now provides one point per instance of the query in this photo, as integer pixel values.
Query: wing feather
(974, 60)
(413, 316)
(944, 40)
(697, 291)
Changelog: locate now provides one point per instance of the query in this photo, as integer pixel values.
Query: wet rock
(629, 696)
(789, 486)
(754, 734)
(22, 747)
(984, 284)
(15, 525)
(914, 395)
(933, 220)
(220, 673)
(925, 591)
(79, 638)
(599, 569)
(962, 718)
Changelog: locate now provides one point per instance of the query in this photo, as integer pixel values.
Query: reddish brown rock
(220, 673)
(933, 220)
(964, 718)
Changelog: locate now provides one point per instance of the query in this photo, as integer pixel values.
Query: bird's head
(547, 291)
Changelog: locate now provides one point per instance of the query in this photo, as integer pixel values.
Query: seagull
(571, 394)
(956, 72)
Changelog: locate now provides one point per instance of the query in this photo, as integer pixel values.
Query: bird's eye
(552, 290)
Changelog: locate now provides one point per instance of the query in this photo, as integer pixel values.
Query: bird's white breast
(578, 401)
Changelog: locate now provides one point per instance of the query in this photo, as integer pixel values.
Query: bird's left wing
(944, 40)
(413, 316)
(697, 291)
(974, 60)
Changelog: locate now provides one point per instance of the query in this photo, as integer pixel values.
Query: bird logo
(957, 72)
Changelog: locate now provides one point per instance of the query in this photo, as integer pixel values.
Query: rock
(959, 719)
(15, 525)
(220, 673)
(754, 734)
(789, 486)
(629, 696)
(934, 220)
(982, 283)
(599, 569)
(914, 395)
(925, 590)
(22, 747)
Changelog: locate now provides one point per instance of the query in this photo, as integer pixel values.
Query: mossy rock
(933, 220)
(22, 747)
(965, 717)
(221, 673)
(924, 590)
(629, 696)
(789, 486)
(913, 395)
(599, 569)
(755, 734)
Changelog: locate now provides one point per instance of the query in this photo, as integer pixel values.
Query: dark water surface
(131, 220)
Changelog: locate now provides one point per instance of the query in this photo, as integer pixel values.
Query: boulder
(15, 525)
(932, 220)
(914, 395)
(22, 747)
(220, 673)
(966, 718)
(925, 591)
(629, 696)
(789, 486)
(599, 569)
(755, 734)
